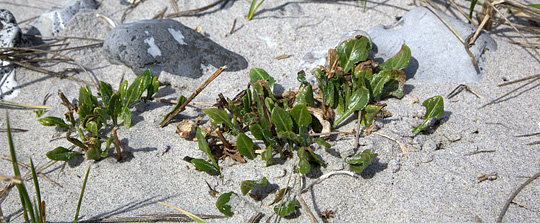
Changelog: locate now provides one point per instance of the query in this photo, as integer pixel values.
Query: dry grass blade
(38, 171)
(512, 25)
(512, 91)
(15, 180)
(24, 106)
(193, 11)
(8, 53)
(509, 201)
(519, 80)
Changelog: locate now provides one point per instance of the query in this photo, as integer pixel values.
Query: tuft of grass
(253, 8)
(33, 212)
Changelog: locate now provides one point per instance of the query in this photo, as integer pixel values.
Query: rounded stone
(166, 45)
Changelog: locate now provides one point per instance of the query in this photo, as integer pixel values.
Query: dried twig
(507, 204)
(326, 176)
(519, 80)
(210, 79)
(175, 6)
(303, 203)
(459, 89)
(401, 145)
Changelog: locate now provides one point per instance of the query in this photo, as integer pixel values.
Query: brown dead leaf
(186, 128)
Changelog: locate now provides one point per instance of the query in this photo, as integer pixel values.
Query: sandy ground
(429, 184)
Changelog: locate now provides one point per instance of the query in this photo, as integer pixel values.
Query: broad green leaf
(123, 90)
(369, 113)
(434, 109)
(94, 152)
(305, 95)
(360, 161)
(203, 145)
(247, 185)
(78, 143)
(181, 101)
(357, 101)
(281, 119)
(322, 142)
(289, 135)
(219, 117)
(115, 108)
(301, 115)
(361, 78)
(247, 101)
(267, 155)
(61, 154)
(378, 81)
(92, 127)
(352, 51)
(105, 152)
(53, 121)
(269, 104)
(287, 208)
(259, 74)
(126, 117)
(399, 61)
(394, 87)
(105, 92)
(153, 88)
(147, 80)
(303, 165)
(256, 130)
(132, 93)
(245, 146)
(202, 165)
(222, 205)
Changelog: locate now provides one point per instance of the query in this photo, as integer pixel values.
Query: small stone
(394, 165)
(167, 45)
(51, 23)
(426, 158)
(429, 146)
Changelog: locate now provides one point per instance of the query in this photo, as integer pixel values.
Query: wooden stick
(210, 79)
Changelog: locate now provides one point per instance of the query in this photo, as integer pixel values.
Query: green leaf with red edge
(399, 61)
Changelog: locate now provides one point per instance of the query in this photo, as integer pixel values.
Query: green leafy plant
(287, 208)
(93, 117)
(248, 185)
(351, 82)
(434, 109)
(202, 164)
(34, 212)
(253, 8)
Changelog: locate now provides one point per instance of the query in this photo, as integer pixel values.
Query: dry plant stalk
(210, 79)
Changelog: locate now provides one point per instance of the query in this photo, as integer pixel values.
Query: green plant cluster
(350, 83)
(92, 117)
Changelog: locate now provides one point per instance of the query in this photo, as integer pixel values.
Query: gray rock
(10, 36)
(50, 23)
(429, 145)
(166, 45)
(438, 56)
